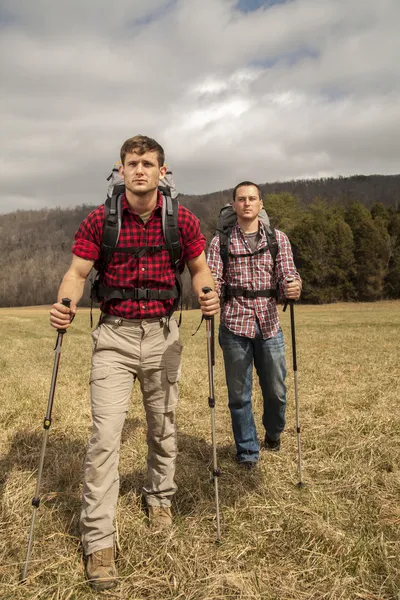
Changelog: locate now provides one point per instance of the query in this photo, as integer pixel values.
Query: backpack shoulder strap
(272, 242)
(170, 207)
(169, 214)
(112, 225)
(224, 241)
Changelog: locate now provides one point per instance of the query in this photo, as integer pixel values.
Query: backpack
(226, 221)
(111, 231)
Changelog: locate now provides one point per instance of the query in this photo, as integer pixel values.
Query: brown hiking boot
(101, 571)
(160, 517)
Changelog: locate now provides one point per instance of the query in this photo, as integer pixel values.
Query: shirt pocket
(239, 271)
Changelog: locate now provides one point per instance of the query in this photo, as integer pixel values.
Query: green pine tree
(371, 251)
(323, 244)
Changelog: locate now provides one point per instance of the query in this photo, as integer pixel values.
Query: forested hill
(345, 233)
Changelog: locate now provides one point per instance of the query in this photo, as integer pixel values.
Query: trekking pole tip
(300, 485)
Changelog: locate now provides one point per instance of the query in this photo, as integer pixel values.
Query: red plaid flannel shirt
(152, 270)
(255, 272)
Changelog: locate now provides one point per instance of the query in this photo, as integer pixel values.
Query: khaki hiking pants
(126, 350)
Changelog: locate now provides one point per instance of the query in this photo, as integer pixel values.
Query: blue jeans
(269, 360)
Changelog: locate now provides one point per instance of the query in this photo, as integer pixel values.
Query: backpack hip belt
(247, 293)
(136, 293)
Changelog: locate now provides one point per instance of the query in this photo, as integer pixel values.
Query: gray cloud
(295, 89)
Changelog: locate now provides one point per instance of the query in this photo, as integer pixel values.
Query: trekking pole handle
(287, 301)
(205, 290)
(65, 302)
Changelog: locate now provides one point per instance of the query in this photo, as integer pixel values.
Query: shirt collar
(261, 229)
(125, 205)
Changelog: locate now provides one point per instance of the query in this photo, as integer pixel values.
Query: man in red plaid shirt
(135, 339)
(250, 331)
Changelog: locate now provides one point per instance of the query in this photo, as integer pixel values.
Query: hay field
(338, 538)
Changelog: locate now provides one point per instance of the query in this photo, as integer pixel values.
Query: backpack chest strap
(255, 253)
(139, 251)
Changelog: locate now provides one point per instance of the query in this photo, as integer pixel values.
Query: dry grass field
(338, 538)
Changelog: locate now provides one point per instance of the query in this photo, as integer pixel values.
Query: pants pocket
(95, 335)
(98, 374)
(173, 353)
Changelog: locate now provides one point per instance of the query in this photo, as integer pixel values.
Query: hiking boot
(249, 465)
(160, 517)
(101, 571)
(272, 445)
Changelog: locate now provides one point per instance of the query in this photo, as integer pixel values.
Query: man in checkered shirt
(250, 332)
(135, 339)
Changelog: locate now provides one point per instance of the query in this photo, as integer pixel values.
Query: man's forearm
(202, 279)
(71, 287)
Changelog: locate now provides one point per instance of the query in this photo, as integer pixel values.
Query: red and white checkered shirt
(253, 272)
(153, 270)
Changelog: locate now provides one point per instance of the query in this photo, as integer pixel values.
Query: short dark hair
(246, 183)
(142, 144)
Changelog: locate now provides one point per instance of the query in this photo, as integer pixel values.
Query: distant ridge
(367, 189)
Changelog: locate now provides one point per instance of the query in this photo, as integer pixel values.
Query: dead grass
(336, 539)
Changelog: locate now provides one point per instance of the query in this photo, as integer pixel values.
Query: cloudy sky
(250, 89)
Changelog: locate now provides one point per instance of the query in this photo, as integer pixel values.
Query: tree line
(345, 249)
(343, 253)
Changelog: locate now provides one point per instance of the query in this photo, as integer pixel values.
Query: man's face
(247, 204)
(141, 172)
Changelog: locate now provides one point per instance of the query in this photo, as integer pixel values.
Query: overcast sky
(262, 90)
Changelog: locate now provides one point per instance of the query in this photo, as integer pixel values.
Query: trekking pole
(46, 426)
(293, 332)
(211, 403)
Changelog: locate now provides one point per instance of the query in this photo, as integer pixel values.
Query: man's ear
(121, 170)
(163, 171)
